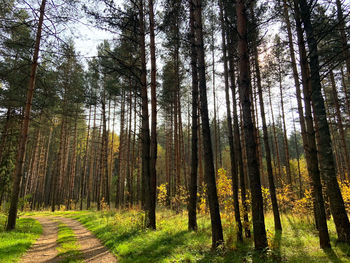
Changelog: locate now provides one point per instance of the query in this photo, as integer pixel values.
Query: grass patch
(68, 247)
(15, 243)
(123, 233)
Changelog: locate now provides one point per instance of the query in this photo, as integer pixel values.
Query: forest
(174, 131)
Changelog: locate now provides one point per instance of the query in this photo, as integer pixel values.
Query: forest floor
(123, 234)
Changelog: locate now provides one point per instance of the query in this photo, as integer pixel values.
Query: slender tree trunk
(4, 134)
(275, 138)
(74, 162)
(344, 40)
(345, 90)
(11, 221)
(91, 169)
(145, 137)
(253, 164)
(285, 137)
(104, 153)
(297, 87)
(340, 217)
(192, 201)
(276, 215)
(214, 92)
(234, 170)
(217, 235)
(83, 178)
(119, 182)
(340, 124)
(237, 136)
(309, 141)
(153, 170)
(298, 158)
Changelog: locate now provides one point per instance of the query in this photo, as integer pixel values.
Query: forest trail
(45, 248)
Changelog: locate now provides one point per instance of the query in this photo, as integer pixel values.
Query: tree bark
(260, 240)
(340, 123)
(145, 137)
(340, 217)
(310, 140)
(275, 210)
(234, 170)
(11, 221)
(192, 201)
(209, 172)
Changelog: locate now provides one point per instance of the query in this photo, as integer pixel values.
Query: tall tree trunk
(11, 221)
(344, 40)
(145, 137)
(74, 162)
(192, 201)
(153, 147)
(234, 170)
(212, 47)
(278, 160)
(276, 215)
(4, 133)
(298, 157)
(237, 136)
(309, 140)
(340, 124)
(340, 217)
(83, 177)
(297, 86)
(346, 93)
(253, 164)
(209, 172)
(91, 169)
(119, 182)
(285, 137)
(104, 152)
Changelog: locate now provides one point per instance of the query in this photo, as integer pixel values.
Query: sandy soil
(44, 249)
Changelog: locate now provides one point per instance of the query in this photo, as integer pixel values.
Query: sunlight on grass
(68, 248)
(123, 233)
(15, 243)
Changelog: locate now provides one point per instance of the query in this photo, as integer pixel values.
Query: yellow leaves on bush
(225, 193)
(285, 198)
(103, 205)
(133, 219)
(345, 190)
(162, 194)
(304, 205)
(266, 198)
(203, 201)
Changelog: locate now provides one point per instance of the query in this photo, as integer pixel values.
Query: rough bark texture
(310, 141)
(276, 215)
(260, 240)
(192, 202)
(153, 171)
(11, 221)
(145, 125)
(209, 172)
(325, 146)
(234, 170)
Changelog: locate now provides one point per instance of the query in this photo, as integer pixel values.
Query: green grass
(123, 234)
(15, 243)
(68, 247)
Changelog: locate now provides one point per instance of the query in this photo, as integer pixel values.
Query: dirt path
(44, 250)
(91, 248)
